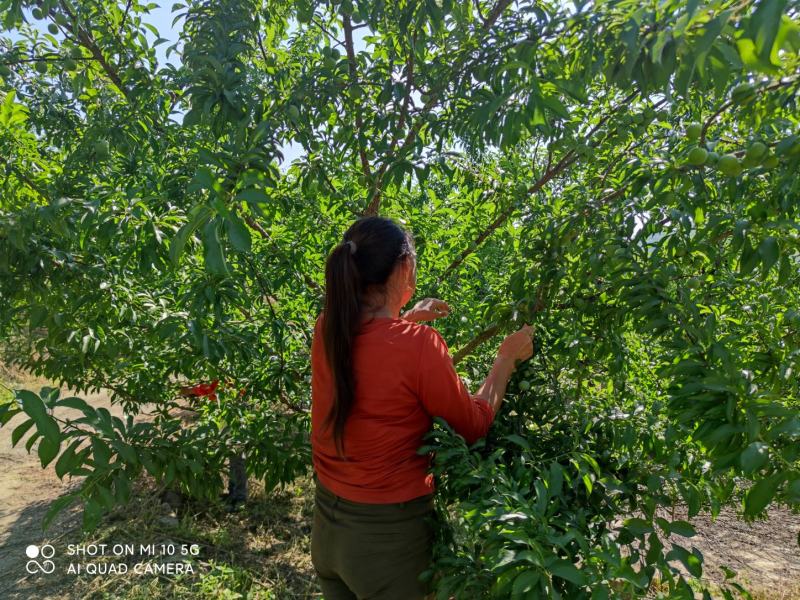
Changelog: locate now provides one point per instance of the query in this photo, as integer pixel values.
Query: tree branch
(372, 208)
(565, 161)
(483, 336)
(495, 14)
(124, 17)
(88, 42)
(265, 234)
(351, 59)
(569, 158)
(478, 10)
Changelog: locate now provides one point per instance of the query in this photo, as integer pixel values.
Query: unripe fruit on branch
(770, 162)
(697, 156)
(729, 165)
(756, 150)
(693, 131)
(41, 67)
(52, 28)
(749, 161)
(712, 158)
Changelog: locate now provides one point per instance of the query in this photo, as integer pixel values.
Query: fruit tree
(622, 174)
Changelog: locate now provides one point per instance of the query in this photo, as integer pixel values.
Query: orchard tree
(621, 174)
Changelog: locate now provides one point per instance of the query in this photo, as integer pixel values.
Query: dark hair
(379, 244)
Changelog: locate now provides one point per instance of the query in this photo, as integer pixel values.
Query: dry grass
(261, 552)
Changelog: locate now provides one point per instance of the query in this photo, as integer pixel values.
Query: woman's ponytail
(370, 251)
(343, 303)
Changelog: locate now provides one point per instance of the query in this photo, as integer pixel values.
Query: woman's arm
(515, 348)
(444, 394)
(494, 388)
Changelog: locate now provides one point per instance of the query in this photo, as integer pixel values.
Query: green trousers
(371, 551)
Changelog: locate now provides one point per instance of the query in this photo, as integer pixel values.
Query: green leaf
(637, 526)
(198, 215)
(48, 450)
(238, 233)
(252, 196)
(76, 403)
(92, 513)
(566, 570)
(106, 497)
(682, 528)
(749, 258)
(45, 424)
(122, 488)
(768, 251)
(214, 256)
(587, 481)
(101, 452)
(690, 560)
(761, 494)
(518, 440)
(793, 491)
(764, 25)
(20, 430)
(203, 179)
(7, 412)
(754, 457)
(68, 460)
(524, 582)
(31, 440)
(127, 452)
(38, 316)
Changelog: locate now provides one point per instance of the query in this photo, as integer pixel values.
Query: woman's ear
(412, 270)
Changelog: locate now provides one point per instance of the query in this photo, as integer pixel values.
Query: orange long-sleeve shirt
(404, 377)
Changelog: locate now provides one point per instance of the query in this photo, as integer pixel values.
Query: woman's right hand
(517, 346)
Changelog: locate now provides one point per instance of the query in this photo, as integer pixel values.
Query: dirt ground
(765, 554)
(26, 492)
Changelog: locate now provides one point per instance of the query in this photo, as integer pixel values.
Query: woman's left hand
(427, 309)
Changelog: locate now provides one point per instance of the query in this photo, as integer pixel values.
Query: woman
(377, 381)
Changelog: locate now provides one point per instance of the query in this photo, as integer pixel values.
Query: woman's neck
(382, 312)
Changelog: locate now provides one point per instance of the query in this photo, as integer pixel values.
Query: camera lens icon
(46, 551)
